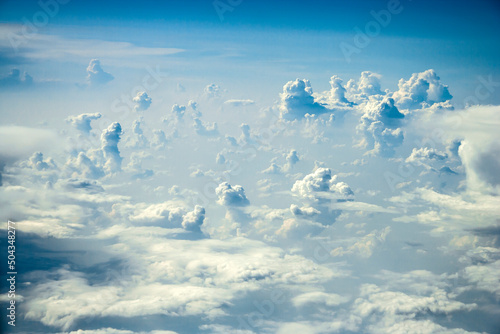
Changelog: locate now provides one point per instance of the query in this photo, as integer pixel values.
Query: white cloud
(96, 75)
(318, 297)
(231, 195)
(110, 138)
(421, 90)
(205, 128)
(239, 103)
(82, 121)
(379, 125)
(213, 91)
(321, 184)
(297, 100)
(142, 101)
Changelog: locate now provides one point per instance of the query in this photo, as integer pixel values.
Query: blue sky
(283, 167)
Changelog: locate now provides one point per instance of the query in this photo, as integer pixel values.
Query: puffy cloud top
(426, 153)
(96, 75)
(193, 220)
(231, 196)
(367, 85)
(82, 121)
(379, 125)
(338, 91)
(420, 90)
(142, 101)
(321, 181)
(110, 138)
(297, 100)
(213, 90)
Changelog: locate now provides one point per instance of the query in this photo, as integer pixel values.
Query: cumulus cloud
(37, 162)
(367, 85)
(178, 110)
(426, 153)
(321, 184)
(421, 90)
(138, 139)
(96, 75)
(142, 101)
(83, 166)
(291, 159)
(213, 91)
(82, 121)
(297, 100)
(110, 138)
(379, 124)
(231, 195)
(193, 220)
(337, 91)
(205, 128)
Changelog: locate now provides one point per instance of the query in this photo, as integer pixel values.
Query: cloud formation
(297, 100)
(142, 101)
(96, 75)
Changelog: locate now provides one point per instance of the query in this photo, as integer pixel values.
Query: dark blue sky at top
(458, 19)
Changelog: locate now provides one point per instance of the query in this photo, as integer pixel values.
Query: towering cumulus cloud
(421, 90)
(142, 101)
(110, 138)
(231, 196)
(96, 75)
(82, 121)
(297, 100)
(379, 124)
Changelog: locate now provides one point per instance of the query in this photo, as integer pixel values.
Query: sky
(237, 166)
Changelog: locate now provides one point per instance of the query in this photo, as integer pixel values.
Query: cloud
(318, 297)
(22, 142)
(297, 100)
(291, 159)
(138, 139)
(82, 121)
(421, 90)
(337, 91)
(321, 184)
(213, 91)
(365, 246)
(367, 85)
(193, 220)
(426, 153)
(482, 163)
(43, 47)
(110, 138)
(393, 308)
(379, 124)
(205, 128)
(142, 101)
(239, 103)
(178, 111)
(273, 169)
(83, 166)
(231, 196)
(96, 75)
